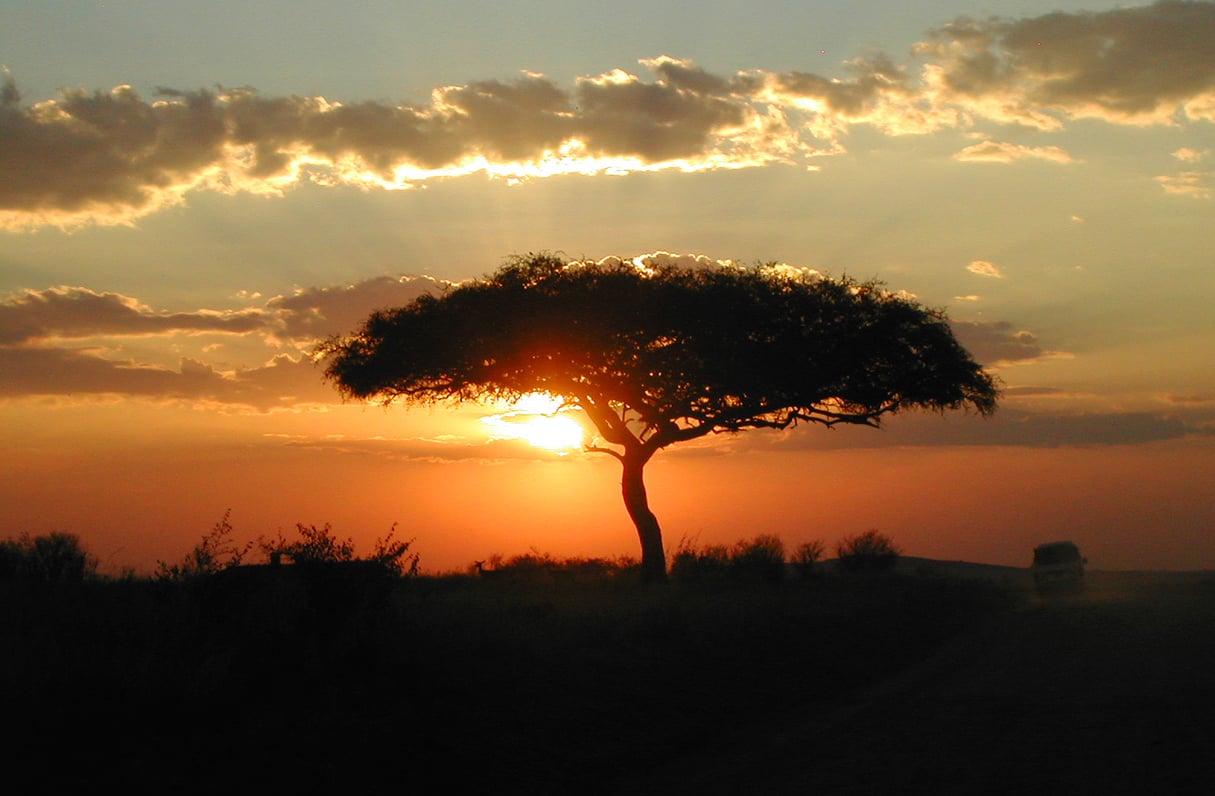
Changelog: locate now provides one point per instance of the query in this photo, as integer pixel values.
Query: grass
(533, 685)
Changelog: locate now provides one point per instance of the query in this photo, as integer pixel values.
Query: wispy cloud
(1195, 399)
(1190, 155)
(1013, 428)
(1003, 152)
(111, 157)
(65, 341)
(1196, 184)
(285, 382)
(433, 450)
(1193, 183)
(72, 312)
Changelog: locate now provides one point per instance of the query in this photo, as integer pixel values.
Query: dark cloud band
(110, 157)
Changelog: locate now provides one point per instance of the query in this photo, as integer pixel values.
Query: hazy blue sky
(192, 194)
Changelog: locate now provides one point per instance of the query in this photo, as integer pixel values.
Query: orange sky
(1141, 506)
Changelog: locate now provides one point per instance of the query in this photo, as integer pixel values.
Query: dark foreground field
(914, 683)
(1111, 692)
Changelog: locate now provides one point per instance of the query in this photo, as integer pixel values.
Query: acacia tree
(663, 355)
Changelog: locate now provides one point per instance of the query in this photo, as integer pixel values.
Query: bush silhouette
(56, 557)
(315, 546)
(215, 552)
(806, 556)
(710, 563)
(760, 559)
(540, 567)
(871, 551)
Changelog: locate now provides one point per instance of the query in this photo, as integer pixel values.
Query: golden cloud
(985, 268)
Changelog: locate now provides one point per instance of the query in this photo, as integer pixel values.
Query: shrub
(537, 567)
(871, 551)
(759, 559)
(709, 563)
(56, 557)
(394, 554)
(807, 555)
(11, 558)
(315, 546)
(216, 551)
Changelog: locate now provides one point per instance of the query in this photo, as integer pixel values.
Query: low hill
(912, 565)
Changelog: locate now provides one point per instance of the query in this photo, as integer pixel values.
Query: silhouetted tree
(871, 551)
(56, 557)
(658, 356)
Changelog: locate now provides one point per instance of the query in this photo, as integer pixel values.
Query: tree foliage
(658, 356)
(679, 353)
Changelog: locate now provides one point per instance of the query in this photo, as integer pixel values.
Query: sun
(539, 420)
(556, 433)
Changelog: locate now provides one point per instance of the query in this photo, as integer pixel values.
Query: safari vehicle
(1058, 567)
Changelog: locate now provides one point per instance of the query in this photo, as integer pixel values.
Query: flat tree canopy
(657, 356)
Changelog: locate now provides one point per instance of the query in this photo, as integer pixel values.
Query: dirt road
(1109, 693)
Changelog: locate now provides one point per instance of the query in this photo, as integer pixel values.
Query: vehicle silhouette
(1058, 568)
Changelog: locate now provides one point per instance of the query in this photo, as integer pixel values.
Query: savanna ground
(915, 683)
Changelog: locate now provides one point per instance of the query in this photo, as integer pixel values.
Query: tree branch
(614, 454)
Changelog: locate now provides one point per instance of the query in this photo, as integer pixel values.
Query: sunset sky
(192, 195)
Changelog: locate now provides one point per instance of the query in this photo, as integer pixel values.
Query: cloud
(655, 260)
(38, 358)
(1141, 65)
(68, 312)
(315, 313)
(1034, 392)
(1007, 428)
(434, 450)
(1191, 155)
(111, 157)
(985, 268)
(284, 382)
(307, 315)
(1196, 184)
(1002, 152)
(1085, 429)
(996, 344)
(1195, 399)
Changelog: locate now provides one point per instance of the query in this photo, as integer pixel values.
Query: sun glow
(539, 420)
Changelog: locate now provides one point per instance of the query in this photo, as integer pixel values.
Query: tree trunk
(653, 557)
